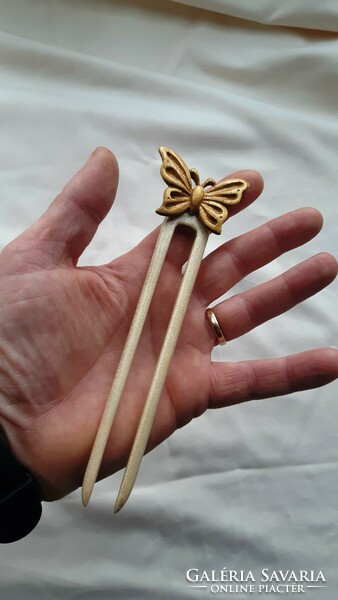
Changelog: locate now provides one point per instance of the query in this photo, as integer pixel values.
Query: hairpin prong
(122, 372)
(167, 351)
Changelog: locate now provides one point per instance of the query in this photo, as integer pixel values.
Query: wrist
(20, 498)
(14, 434)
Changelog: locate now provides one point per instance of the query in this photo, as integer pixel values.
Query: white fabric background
(253, 486)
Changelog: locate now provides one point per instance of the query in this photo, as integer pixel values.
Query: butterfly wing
(213, 211)
(174, 202)
(174, 171)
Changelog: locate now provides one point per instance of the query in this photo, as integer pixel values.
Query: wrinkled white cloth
(294, 13)
(253, 486)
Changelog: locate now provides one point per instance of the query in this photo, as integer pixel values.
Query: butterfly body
(208, 200)
(196, 199)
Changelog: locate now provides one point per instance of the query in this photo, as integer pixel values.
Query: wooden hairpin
(201, 207)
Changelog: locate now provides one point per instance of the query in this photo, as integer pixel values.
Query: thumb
(64, 231)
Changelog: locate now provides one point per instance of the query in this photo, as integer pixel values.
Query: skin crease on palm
(63, 328)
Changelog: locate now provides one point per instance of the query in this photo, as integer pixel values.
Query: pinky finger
(232, 383)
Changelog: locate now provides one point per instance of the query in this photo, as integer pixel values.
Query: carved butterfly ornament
(207, 200)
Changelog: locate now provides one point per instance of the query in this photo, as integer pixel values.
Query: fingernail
(90, 157)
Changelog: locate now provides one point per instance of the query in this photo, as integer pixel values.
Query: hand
(63, 327)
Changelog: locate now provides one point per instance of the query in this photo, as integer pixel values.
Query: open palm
(63, 328)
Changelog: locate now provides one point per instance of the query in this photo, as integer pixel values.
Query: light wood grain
(166, 232)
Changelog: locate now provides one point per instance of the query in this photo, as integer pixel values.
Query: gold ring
(210, 315)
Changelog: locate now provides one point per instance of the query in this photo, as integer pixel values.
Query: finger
(66, 228)
(231, 383)
(235, 259)
(256, 184)
(179, 249)
(247, 310)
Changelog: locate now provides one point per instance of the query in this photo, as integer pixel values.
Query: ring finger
(247, 310)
